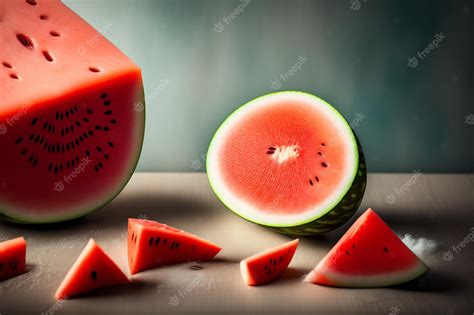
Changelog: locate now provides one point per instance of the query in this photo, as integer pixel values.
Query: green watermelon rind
(8, 216)
(311, 225)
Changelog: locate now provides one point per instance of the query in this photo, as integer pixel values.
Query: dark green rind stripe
(342, 212)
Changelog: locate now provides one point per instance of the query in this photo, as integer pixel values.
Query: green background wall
(354, 54)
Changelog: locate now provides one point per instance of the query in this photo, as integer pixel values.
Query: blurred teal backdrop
(400, 71)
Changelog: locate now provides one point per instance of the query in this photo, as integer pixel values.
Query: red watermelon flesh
(153, 244)
(92, 270)
(71, 114)
(369, 254)
(12, 258)
(268, 265)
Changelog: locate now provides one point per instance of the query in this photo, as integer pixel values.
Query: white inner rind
(376, 280)
(246, 209)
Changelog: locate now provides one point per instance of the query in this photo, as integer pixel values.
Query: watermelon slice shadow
(137, 287)
(434, 282)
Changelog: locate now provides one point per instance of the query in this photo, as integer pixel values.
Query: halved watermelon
(12, 258)
(152, 244)
(92, 270)
(71, 114)
(288, 161)
(268, 265)
(369, 254)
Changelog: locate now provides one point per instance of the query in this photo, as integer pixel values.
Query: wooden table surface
(438, 207)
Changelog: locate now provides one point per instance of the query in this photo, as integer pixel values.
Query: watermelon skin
(331, 217)
(73, 145)
(12, 258)
(269, 265)
(152, 244)
(369, 254)
(92, 270)
(342, 212)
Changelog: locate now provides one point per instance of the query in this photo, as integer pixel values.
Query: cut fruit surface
(12, 258)
(153, 244)
(92, 270)
(268, 265)
(71, 114)
(289, 161)
(369, 254)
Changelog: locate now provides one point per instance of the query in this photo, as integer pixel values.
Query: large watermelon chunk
(268, 265)
(92, 270)
(288, 161)
(369, 254)
(12, 258)
(71, 114)
(152, 244)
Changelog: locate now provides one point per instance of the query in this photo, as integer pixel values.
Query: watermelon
(369, 254)
(12, 258)
(71, 114)
(153, 244)
(288, 161)
(92, 270)
(268, 265)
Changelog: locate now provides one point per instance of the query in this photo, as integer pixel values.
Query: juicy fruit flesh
(12, 258)
(71, 145)
(369, 254)
(289, 151)
(152, 244)
(92, 270)
(268, 265)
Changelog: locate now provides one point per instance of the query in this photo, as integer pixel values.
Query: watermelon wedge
(92, 270)
(12, 258)
(288, 161)
(153, 244)
(71, 114)
(369, 254)
(269, 265)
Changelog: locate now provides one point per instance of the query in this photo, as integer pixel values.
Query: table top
(438, 207)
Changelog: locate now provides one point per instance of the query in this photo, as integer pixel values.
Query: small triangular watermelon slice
(92, 270)
(369, 254)
(153, 244)
(269, 265)
(12, 258)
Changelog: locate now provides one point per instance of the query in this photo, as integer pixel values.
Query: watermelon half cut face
(288, 161)
(71, 114)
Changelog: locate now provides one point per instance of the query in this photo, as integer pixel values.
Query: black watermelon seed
(100, 165)
(32, 136)
(157, 241)
(323, 144)
(23, 152)
(311, 182)
(68, 146)
(104, 95)
(271, 148)
(324, 164)
(150, 242)
(78, 123)
(108, 112)
(385, 249)
(67, 114)
(77, 141)
(106, 156)
(320, 154)
(93, 275)
(347, 252)
(30, 158)
(106, 103)
(270, 152)
(111, 144)
(113, 121)
(89, 111)
(56, 170)
(274, 263)
(86, 120)
(50, 167)
(96, 169)
(99, 149)
(106, 128)
(35, 162)
(177, 245)
(172, 245)
(97, 127)
(90, 132)
(88, 153)
(317, 179)
(19, 140)
(353, 246)
(34, 121)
